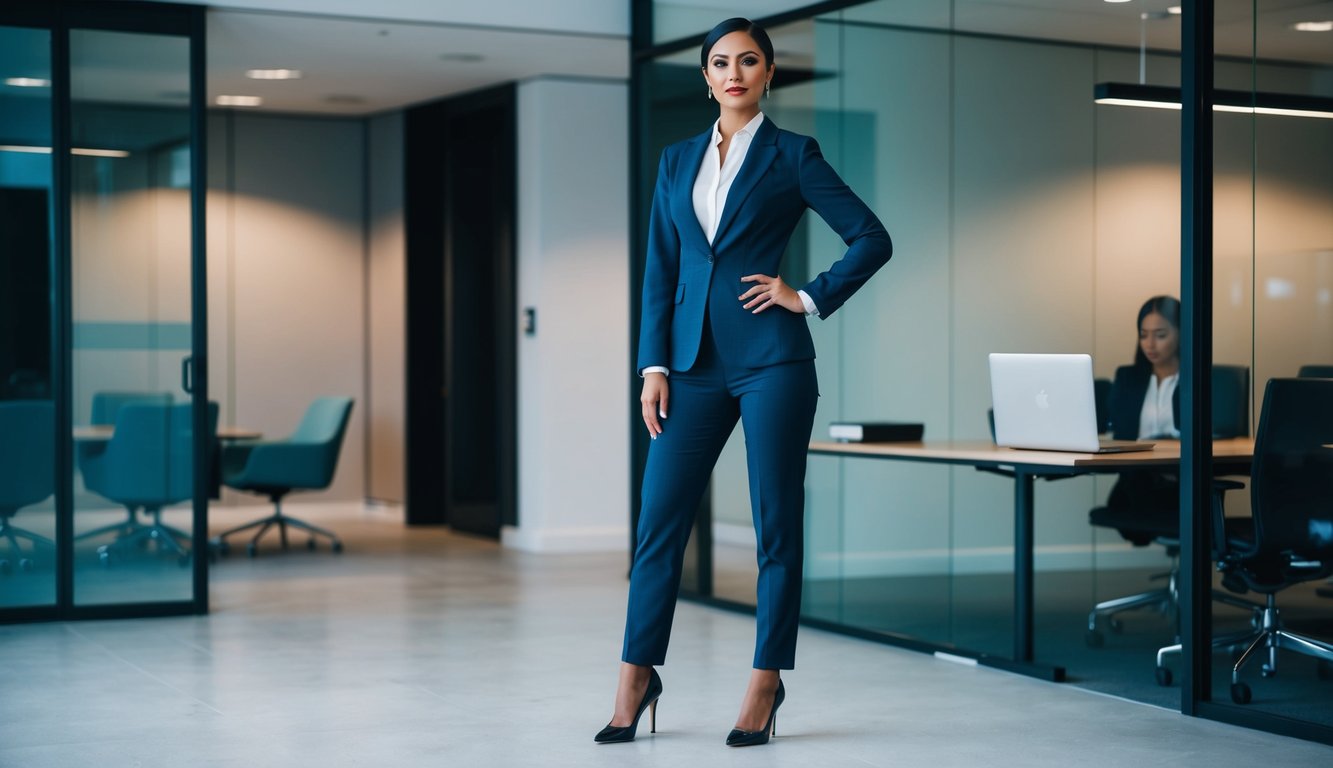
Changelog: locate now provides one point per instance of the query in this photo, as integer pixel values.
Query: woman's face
(1159, 340)
(736, 71)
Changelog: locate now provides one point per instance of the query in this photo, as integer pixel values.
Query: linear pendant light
(1162, 97)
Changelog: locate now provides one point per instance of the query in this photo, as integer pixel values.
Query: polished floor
(422, 648)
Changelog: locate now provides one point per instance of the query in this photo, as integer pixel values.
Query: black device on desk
(876, 431)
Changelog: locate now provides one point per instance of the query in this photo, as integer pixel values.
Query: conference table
(1230, 456)
(94, 433)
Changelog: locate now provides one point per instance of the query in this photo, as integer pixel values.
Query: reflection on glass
(130, 213)
(27, 417)
(1273, 206)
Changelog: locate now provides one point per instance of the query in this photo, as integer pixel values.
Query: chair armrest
(1221, 544)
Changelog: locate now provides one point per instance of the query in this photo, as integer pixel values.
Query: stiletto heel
(739, 738)
(617, 733)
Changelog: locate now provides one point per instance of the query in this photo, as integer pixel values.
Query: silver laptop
(1046, 402)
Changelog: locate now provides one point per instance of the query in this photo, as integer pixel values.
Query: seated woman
(1143, 405)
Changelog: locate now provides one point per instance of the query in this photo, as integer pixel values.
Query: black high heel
(739, 738)
(617, 733)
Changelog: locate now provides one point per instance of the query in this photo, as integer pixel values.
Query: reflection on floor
(418, 648)
(975, 612)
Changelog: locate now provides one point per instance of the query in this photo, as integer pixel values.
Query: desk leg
(1023, 543)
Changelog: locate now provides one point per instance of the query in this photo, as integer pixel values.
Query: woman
(723, 337)
(1144, 403)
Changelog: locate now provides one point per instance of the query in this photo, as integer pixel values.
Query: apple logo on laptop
(1043, 402)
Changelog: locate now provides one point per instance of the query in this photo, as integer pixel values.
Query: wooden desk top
(103, 432)
(1165, 452)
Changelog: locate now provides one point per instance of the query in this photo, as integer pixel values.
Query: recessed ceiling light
(1174, 10)
(1313, 26)
(274, 74)
(239, 101)
(1117, 1)
(27, 82)
(464, 58)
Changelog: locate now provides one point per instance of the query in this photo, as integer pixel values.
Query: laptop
(1046, 402)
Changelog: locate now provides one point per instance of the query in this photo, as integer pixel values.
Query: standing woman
(723, 337)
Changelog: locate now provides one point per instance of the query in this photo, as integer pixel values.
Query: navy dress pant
(776, 406)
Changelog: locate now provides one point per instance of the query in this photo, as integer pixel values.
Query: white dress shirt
(712, 185)
(1157, 419)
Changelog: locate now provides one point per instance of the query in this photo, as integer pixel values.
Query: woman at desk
(732, 340)
(1143, 407)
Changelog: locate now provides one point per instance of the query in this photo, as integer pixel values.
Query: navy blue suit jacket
(783, 174)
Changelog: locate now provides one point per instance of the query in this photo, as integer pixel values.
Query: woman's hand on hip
(653, 401)
(770, 292)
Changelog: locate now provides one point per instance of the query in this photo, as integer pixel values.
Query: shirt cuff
(810, 308)
(662, 369)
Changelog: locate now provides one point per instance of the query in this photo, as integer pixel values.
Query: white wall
(286, 283)
(573, 219)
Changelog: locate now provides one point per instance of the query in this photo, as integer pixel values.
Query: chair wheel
(1267, 671)
(251, 549)
(1115, 626)
(1094, 639)
(310, 544)
(1163, 676)
(104, 557)
(1240, 693)
(25, 564)
(337, 546)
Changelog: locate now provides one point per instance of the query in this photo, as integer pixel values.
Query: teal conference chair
(106, 407)
(148, 464)
(303, 462)
(27, 472)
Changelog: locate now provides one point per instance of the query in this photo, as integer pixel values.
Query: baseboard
(566, 540)
(938, 561)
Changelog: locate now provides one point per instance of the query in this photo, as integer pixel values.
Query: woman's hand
(769, 292)
(653, 401)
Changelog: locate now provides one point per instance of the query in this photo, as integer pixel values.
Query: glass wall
(105, 440)
(130, 217)
(27, 413)
(1026, 217)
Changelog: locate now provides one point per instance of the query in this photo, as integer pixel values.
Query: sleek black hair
(738, 24)
(1166, 306)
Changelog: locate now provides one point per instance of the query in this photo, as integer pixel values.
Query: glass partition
(1026, 217)
(131, 271)
(27, 413)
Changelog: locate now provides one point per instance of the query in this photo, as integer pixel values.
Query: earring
(710, 92)
(766, 93)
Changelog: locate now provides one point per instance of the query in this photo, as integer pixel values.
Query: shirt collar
(750, 129)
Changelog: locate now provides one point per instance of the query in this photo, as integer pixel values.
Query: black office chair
(1144, 509)
(1291, 503)
(1319, 372)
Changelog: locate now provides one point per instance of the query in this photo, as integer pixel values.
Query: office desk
(1229, 456)
(101, 433)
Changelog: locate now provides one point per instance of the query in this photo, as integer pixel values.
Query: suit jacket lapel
(763, 149)
(688, 171)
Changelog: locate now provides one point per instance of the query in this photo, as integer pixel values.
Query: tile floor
(422, 648)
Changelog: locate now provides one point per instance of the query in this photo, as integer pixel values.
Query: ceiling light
(1174, 10)
(239, 101)
(1117, 1)
(274, 74)
(27, 82)
(1313, 26)
(75, 151)
(1258, 102)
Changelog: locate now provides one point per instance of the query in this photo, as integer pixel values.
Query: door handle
(187, 374)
